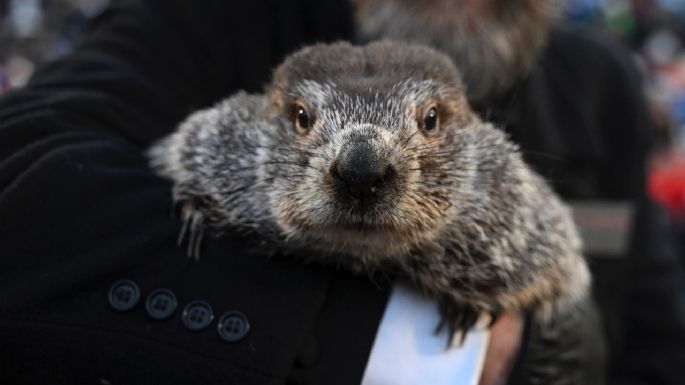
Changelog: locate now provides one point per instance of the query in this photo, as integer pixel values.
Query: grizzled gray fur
(372, 157)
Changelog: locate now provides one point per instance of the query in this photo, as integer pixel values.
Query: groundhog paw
(459, 318)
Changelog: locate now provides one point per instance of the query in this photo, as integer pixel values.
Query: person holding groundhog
(94, 289)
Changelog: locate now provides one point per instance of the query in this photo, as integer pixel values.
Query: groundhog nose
(360, 172)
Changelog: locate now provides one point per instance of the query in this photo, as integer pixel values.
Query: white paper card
(407, 352)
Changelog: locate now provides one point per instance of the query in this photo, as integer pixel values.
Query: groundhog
(371, 157)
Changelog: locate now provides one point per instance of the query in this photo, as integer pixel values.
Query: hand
(505, 340)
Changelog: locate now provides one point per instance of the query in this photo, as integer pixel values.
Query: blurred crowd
(655, 31)
(35, 31)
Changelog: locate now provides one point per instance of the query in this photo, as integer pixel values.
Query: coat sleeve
(142, 67)
(72, 140)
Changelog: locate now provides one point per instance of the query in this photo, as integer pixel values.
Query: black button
(233, 326)
(197, 315)
(161, 304)
(124, 295)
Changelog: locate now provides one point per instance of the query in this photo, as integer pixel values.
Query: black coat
(80, 210)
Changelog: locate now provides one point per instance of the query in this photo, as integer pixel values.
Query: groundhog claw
(193, 226)
(460, 318)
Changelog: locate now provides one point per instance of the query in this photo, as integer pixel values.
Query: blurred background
(35, 31)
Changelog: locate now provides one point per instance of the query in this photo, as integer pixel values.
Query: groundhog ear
(455, 107)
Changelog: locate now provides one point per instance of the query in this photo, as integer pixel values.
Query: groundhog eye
(302, 117)
(430, 121)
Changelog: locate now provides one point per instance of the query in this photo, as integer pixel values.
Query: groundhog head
(375, 132)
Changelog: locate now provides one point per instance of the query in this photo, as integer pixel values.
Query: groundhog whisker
(429, 157)
(286, 162)
(252, 167)
(429, 150)
(430, 143)
(434, 153)
(458, 171)
(424, 146)
(483, 167)
(405, 141)
(288, 151)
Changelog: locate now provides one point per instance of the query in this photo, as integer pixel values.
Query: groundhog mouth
(378, 214)
(362, 238)
(363, 227)
(360, 233)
